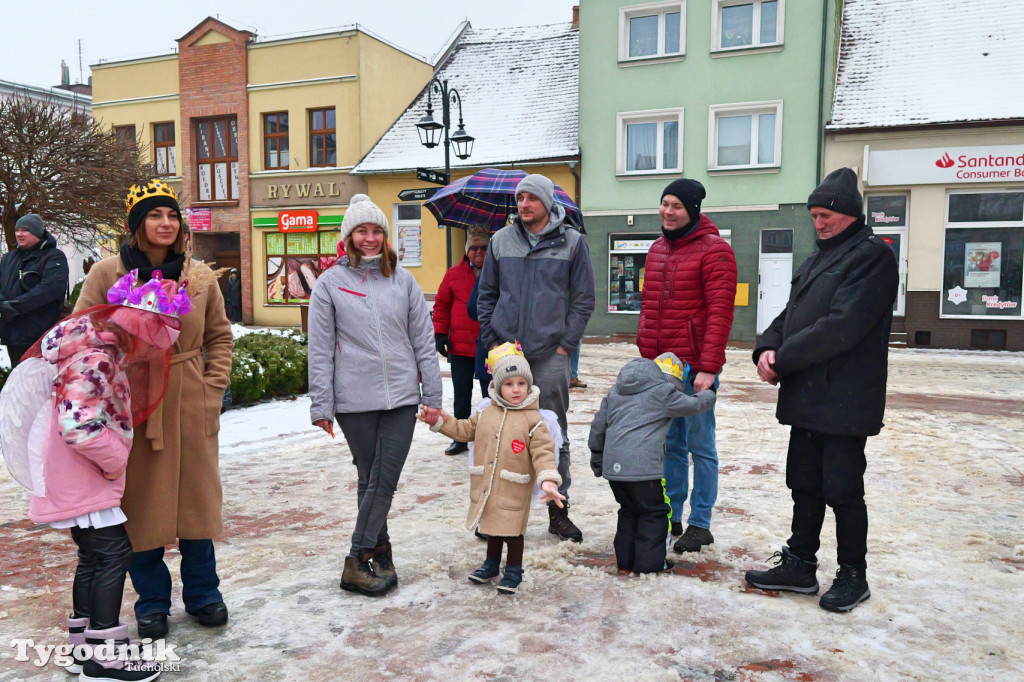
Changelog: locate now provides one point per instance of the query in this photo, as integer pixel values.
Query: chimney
(65, 73)
(576, 16)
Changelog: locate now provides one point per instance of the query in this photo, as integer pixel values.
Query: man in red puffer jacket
(687, 308)
(455, 334)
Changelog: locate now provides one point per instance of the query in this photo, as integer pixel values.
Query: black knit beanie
(32, 224)
(690, 193)
(140, 210)
(838, 192)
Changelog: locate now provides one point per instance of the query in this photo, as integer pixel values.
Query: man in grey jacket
(627, 445)
(537, 287)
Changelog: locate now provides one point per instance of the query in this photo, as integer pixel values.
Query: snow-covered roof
(519, 89)
(918, 62)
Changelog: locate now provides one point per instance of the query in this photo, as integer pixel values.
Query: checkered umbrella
(487, 198)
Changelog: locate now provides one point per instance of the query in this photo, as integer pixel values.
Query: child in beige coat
(512, 450)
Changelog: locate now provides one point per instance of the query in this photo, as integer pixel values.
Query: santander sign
(297, 221)
(949, 165)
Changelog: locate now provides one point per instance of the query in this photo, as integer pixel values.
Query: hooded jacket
(371, 343)
(450, 314)
(541, 296)
(688, 298)
(627, 435)
(34, 281)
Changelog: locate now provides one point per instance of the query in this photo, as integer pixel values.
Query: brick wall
(212, 81)
(922, 308)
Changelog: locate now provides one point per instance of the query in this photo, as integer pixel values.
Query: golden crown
(153, 188)
(672, 367)
(498, 352)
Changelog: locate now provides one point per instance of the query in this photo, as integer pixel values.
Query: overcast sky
(38, 34)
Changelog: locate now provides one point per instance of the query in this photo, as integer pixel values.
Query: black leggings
(103, 556)
(515, 549)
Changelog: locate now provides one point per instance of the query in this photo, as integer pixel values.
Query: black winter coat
(35, 282)
(831, 341)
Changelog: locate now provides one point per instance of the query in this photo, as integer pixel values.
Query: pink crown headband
(151, 296)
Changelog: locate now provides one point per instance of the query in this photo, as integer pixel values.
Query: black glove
(596, 465)
(7, 309)
(441, 344)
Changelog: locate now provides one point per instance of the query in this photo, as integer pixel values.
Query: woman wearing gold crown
(172, 485)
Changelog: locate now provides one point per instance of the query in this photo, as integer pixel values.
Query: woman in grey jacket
(371, 345)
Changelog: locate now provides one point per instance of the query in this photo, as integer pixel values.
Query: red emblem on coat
(518, 446)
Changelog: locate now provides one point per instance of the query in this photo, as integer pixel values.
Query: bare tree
(57, 162)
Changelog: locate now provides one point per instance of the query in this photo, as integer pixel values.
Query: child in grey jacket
(627, 444)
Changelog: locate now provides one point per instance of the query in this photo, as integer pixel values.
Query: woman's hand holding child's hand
(430, 415)
(551, 493)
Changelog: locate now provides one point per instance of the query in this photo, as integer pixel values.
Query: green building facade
(733, 93)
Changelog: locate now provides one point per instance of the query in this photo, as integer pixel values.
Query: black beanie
(140, 210)
(690, 193)
(32, 224)
(838, 192)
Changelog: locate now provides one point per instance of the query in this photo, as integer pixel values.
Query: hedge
(268, 365)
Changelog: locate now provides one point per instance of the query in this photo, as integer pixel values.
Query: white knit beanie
(361, 211)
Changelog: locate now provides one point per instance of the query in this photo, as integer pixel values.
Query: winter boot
(849, 589)
(456, 448)
(152, 625)
(677, 528)
(511, 579)
(76, 636)
(358, 576)
(483, 575)
(106, 664)
(791, 574)
(383, 566)
(693, 539)
(560, 525)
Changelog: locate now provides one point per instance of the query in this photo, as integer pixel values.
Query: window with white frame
(652, 31)
(745, 136)
(650, 142)
(739, 24)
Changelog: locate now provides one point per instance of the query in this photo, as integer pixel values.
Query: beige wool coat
(172, 485)
(501, 480)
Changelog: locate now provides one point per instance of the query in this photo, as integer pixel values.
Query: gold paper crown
(498, 352)
(671, 367)
(153, 188)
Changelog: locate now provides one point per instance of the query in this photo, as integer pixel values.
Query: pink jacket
(91, 425)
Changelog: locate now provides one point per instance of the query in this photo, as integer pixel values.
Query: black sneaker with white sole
(849, 589)
(790, 574)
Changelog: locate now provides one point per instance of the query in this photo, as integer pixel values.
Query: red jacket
(688, 298)
(450, 316)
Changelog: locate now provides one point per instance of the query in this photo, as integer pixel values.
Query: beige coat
(172, 486)
(502, 480)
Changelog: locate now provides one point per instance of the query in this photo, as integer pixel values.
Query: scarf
(134, 258)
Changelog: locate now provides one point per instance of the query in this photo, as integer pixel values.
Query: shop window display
(295, 261)
(627, 263)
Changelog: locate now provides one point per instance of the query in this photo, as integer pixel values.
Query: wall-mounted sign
(946, 165)
(297, 221)
(199, 219)
(278, 190)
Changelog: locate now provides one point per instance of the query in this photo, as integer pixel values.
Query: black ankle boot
(790, 574)
(560, 525)
(849, 589)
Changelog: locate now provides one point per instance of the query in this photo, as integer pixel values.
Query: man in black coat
(829, 351)
(33, 284)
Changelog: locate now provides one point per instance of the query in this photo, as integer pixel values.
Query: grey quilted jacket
(627, 436)
(371, 342)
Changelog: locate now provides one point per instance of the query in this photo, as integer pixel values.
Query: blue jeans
(152, 580)
(574, 363)
(692, 436)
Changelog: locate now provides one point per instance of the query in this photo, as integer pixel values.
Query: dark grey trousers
(379, 442)
(551, 376)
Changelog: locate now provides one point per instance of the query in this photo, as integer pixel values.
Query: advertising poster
(981, 264)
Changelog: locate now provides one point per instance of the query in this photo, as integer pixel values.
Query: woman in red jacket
(455, 334)
(687, 307)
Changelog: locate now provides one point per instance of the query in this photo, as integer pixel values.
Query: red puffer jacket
(688, 298)
(450, 316)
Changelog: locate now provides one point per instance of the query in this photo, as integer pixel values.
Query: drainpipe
(821, 92)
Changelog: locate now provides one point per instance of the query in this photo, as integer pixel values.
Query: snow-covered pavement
(946, 564)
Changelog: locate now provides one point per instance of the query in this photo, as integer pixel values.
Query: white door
(897, 239)
(774, 274)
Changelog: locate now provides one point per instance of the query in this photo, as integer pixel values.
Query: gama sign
(946, 165)
(297, 221)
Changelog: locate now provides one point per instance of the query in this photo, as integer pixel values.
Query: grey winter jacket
(371, 342)
(627, 436)
(541, 296)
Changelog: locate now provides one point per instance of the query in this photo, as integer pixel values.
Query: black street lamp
(430, 134)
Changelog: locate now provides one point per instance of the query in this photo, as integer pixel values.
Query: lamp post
(430, 134)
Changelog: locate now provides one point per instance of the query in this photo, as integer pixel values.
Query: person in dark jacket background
(687, 308)
(537, 287)
(33, 285)
(455, 332)
(233, 296)
(828, 349)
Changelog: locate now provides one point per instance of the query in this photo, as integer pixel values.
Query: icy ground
(946, 564)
